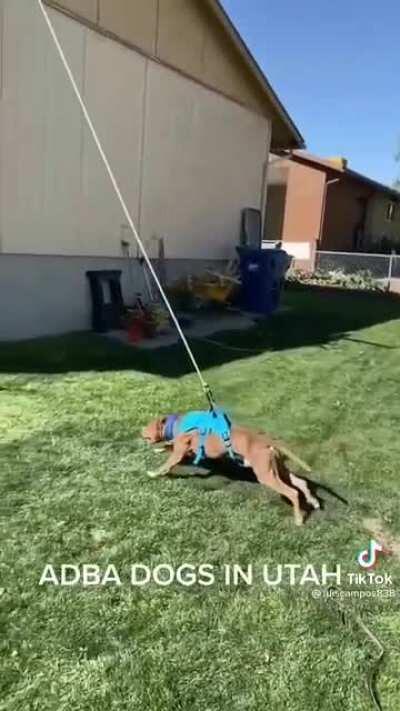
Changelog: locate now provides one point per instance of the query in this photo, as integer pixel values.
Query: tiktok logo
(369, 557)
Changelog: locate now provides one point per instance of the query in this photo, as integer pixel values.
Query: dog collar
(169, 428)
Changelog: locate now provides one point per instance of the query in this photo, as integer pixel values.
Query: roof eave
(297, 139)
(325, 165)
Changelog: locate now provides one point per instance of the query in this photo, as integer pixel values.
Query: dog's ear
(160, 424)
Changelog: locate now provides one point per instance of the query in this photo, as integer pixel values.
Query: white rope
(121, 199)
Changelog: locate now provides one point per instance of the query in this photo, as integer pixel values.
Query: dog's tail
(293, 457)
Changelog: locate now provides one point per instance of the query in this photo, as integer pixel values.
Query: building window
(391, 211)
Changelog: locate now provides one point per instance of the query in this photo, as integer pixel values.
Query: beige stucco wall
(39, 196)
(377, 225)
(187, 158)
(190, 36)
(183, 33)
(133, 20)
(202, 164)
(85, 8)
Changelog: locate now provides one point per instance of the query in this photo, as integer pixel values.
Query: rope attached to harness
(205, 387)
(216, 421)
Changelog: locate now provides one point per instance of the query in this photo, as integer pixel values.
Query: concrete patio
(198, 325)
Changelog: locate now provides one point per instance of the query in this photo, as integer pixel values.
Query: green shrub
(362, 280)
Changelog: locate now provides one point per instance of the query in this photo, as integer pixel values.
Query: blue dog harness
(214, 422)
(169, 429)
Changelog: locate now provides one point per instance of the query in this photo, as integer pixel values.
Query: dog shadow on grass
(227, 475)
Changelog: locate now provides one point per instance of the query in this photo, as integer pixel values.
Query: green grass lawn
(74, 490)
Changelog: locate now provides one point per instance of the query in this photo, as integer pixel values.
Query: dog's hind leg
(302, 485)
(267, 473)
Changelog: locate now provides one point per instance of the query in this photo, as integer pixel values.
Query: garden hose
(373, 672)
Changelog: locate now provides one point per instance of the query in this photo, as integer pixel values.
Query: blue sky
(335, 64)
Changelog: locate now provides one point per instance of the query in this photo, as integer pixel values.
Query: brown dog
(258, 451)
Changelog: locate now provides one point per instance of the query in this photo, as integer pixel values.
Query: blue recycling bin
(262, 275)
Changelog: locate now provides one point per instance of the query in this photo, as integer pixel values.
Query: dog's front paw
(153, 474)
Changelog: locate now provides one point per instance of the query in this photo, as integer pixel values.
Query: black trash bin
(107, 301)
(262, 274)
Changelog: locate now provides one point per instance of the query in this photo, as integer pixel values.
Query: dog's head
(154, 431)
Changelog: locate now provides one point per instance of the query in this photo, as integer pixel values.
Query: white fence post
(391, 260)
